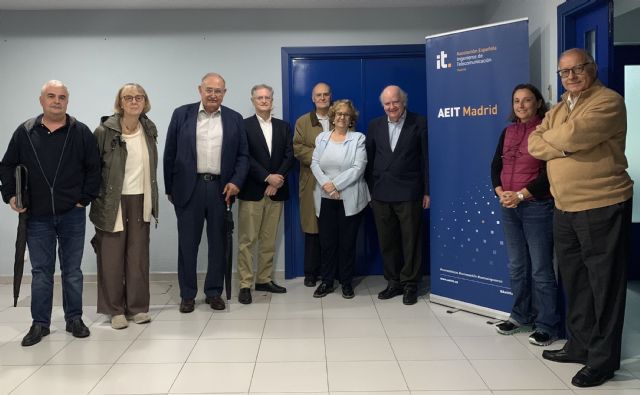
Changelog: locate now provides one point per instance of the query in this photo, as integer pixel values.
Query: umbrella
(21, 175)
(228, 250)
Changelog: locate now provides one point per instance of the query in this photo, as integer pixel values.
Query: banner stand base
(469, 308)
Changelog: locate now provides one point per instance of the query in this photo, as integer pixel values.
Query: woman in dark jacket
(122, 213)
(521, 183)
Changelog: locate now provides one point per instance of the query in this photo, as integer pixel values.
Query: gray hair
(403, 95)
(583, 52)
(54, 83)
(261, 86)
(212, 74)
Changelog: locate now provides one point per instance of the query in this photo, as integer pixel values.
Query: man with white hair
(398, 178)
(63, 163)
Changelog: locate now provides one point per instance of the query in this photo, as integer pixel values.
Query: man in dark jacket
(205, 163)
(263, 193)
(398, 181)
(62, 160)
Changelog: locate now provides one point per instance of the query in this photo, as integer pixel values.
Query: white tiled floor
(293, 344)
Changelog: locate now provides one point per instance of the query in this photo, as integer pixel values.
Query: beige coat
(584, 150)
(308, 127)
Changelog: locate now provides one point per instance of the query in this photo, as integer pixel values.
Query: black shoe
(410, 295)
(510, 328)
(215, 302)
(77, 328)
(323, 290)
(187, 305)
(309, 281)
(591, 377)
(539, 338)
(347, 291)
(271, 287)
(36, 333)
(244, 296)
(562, 356)
(390, 292)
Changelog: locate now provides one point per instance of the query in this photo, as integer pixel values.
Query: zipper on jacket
(55, 177)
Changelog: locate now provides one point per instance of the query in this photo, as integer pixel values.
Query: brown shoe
(215, 302)
(187, 305)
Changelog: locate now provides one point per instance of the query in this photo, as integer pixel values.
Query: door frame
(567, 14)
(293, 235)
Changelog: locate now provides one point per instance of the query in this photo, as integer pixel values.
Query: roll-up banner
(471, 74)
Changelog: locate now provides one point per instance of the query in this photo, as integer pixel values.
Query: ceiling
(226, 4)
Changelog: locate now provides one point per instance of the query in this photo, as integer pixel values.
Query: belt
(207, 177)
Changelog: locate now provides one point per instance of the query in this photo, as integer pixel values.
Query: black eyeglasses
(129, 98)
(577, 70)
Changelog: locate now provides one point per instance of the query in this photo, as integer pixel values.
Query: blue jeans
(528, 231)
(43, 233)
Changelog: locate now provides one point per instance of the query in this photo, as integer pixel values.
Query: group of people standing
(560, 177)
(562, 182)
(342, 171)
(212, 155)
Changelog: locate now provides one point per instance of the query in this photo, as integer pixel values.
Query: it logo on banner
(441, 61)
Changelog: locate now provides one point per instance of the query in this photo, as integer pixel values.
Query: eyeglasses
(215, 92)
(263, 98)
(343, 114)
(130, 98)
(577, 70)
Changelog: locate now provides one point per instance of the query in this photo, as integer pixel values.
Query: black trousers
(592, 248)
(338, 234)
(399, 226)
(206, 203)
(311, 255)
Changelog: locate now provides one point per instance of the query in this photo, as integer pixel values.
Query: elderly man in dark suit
(263, 193)
(398, 180)
(205, 163)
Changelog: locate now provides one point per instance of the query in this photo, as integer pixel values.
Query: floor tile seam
(324, 343)
(404, 377)
(532, 389)
(26, 378)
(255, 361)
(131, 341)
(101, 378)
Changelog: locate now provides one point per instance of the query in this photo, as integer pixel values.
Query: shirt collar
(202, 110)
(401, 119)
(260, 119)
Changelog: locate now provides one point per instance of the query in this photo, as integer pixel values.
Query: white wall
(95, 52)
(543, 41)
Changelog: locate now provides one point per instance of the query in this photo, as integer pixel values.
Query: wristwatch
(520, 196)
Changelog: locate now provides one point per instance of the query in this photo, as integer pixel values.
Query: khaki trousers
(257, 222)
(123, 262)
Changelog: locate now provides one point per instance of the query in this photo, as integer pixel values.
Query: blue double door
(358, 74)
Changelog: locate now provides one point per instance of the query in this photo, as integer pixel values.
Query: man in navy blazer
(206, 161)
(263, 194)
(398, 178)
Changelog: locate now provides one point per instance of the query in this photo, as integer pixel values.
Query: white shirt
(324, 121)
(394, 130)
(267, 130)
(209, 141)
(134, 168)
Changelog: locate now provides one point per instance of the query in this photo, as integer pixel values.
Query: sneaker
(119, 321)
(509, 328)
(347, 291)
(323, 290)
(541, 339)
(141, 318)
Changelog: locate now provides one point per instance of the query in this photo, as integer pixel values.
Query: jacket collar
(326, 135)
(113, 122)
(585, 94)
